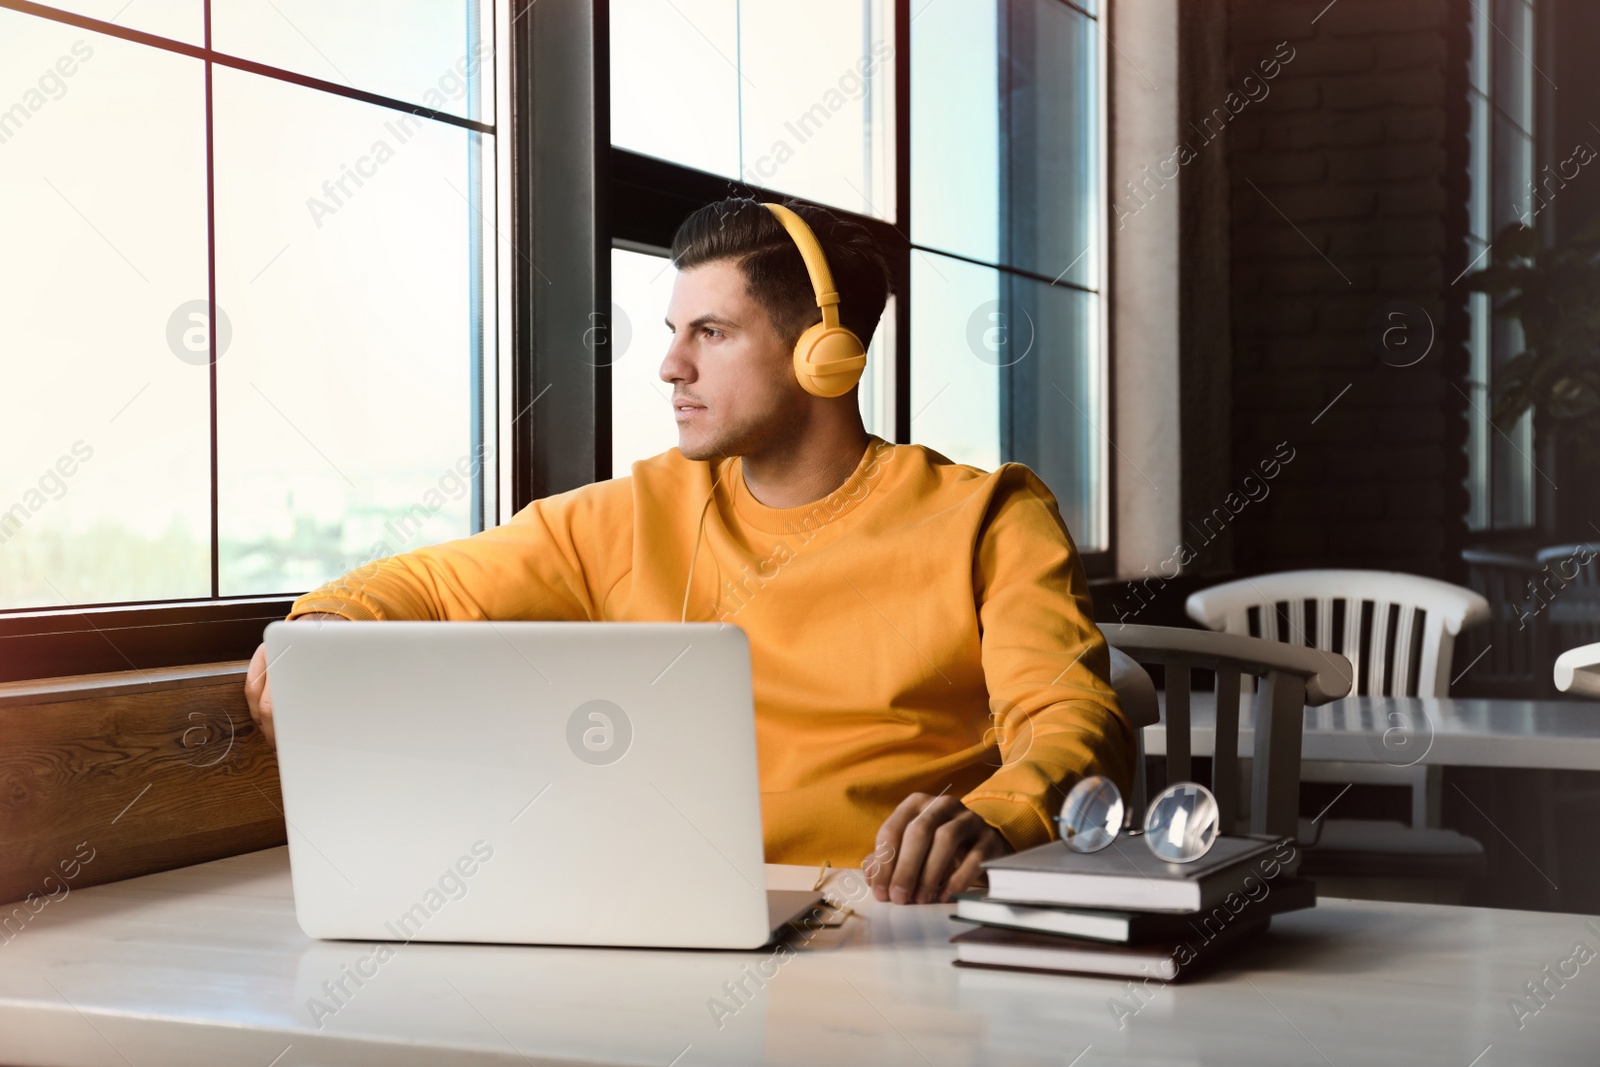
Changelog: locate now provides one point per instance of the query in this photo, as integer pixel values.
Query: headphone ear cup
(828, 362)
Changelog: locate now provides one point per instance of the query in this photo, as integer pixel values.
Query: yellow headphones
(828, 357)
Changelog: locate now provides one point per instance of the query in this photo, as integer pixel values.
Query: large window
(966, 135)
(249, 280)
(271, 309)
(1006, 357)
(1501, 464)
(790, 98)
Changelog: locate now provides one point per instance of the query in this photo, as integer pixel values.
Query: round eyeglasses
(1180, 827)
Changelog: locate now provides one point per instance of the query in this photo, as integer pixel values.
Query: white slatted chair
(1398, 631)
(1403, 646)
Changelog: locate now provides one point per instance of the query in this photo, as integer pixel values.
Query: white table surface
(1546, 734)
(206, 965)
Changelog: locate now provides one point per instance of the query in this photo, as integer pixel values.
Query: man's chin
(700, 443)
(698, 447)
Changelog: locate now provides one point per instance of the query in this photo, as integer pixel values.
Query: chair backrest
(1403, 646)
(1291, 678)
(1510, 651)
(1577, 564)
(1565, 594)
(1136, 696)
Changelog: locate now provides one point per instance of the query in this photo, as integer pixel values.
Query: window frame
(77, 639)
(1489, 483)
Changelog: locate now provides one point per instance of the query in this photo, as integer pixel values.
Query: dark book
(1127, 876)
(1282, 894)
(1166, 961)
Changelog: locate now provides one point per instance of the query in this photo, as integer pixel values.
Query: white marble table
(206, 966)
(1545, 734)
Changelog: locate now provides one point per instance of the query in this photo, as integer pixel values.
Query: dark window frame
(1496, 474)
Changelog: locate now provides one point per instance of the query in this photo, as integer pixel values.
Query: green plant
(1554, 292)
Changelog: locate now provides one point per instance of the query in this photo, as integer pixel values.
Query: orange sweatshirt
(924, 628)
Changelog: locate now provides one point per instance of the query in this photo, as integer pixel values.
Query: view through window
(325, 182)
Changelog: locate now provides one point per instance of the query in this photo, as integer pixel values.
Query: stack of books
(1125, 912)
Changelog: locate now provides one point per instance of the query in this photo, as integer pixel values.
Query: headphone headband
(828, 357)
(811, 252)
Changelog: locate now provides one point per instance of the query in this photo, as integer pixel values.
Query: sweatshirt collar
(807, 518)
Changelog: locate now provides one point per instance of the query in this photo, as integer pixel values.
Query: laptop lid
(524, 782)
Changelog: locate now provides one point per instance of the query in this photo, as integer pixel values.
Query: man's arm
(555, 559)
(1046, 664)
(257, 690)
(1055, 716)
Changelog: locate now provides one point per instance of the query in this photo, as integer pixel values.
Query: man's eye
(711, 331)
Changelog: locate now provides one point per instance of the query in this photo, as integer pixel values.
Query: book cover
(1167, 961)
(1128, 876)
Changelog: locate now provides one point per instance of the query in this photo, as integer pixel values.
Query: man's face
(733, 383)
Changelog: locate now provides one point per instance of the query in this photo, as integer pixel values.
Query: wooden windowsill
(142, 770)
(119, 683)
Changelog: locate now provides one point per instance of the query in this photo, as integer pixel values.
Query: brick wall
(1347, 190)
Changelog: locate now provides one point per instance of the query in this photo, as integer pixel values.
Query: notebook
(1128, 876)
(1169, 961)
(1283, 894)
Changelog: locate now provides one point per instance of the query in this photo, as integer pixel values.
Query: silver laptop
(523, 782)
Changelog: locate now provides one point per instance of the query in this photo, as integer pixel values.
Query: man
(928, 678)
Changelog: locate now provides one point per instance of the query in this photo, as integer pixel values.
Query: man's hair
(742, 230)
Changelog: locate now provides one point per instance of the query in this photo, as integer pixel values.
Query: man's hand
(257, 690)
(936, 844)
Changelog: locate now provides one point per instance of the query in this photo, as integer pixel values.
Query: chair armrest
(1578, 670)
(1328, 675)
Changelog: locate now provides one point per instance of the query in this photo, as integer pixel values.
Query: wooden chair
(1566, 591)
(1141, 706)
(1398, 632)
(1291, 679)
(1510, 655)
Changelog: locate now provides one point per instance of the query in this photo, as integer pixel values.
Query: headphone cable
(695, 555)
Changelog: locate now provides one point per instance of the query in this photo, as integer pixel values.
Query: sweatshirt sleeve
(553, 560)
(1054, 714)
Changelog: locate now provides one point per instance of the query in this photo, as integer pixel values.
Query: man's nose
(676, 366)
